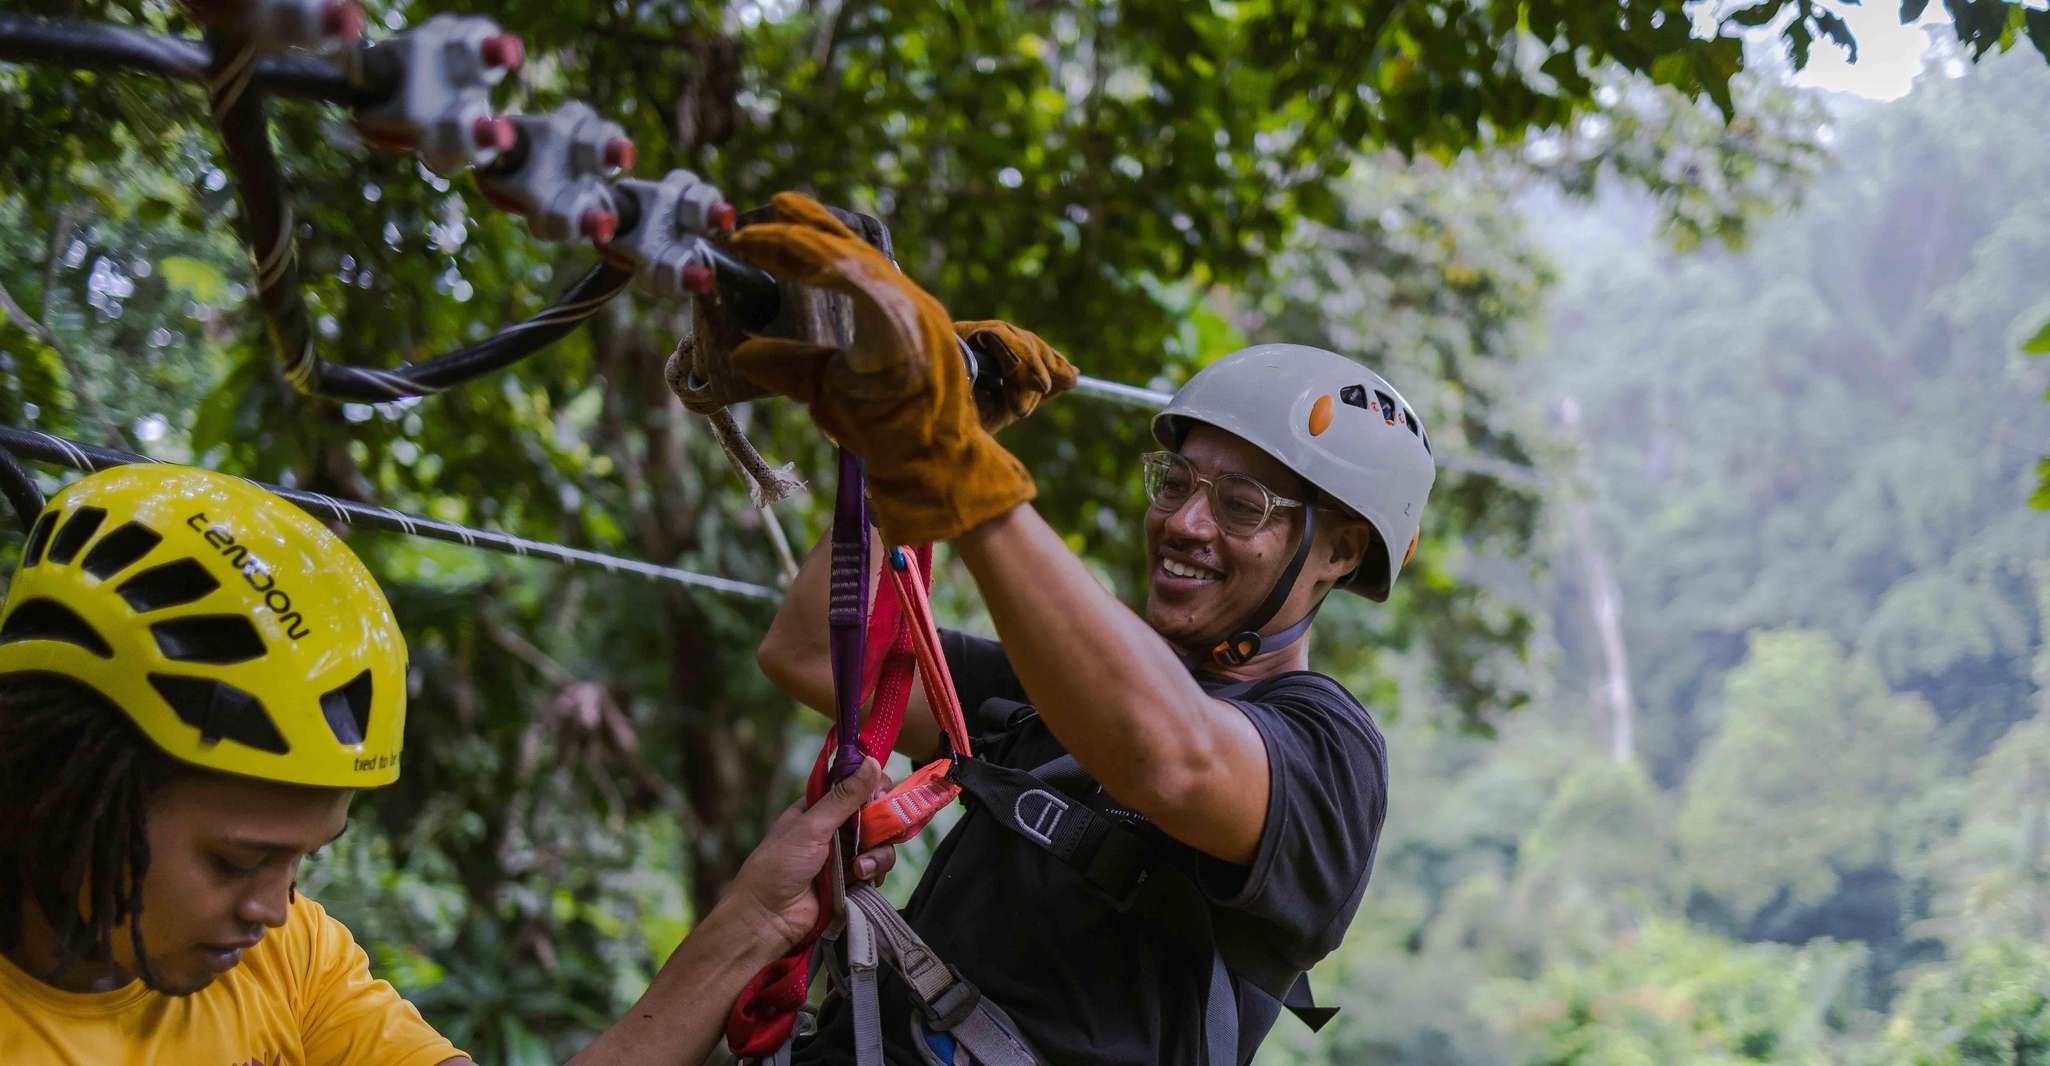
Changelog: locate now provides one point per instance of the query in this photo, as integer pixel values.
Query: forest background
(1718, 703)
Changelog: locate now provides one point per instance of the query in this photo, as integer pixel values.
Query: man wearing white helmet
(1163, 834)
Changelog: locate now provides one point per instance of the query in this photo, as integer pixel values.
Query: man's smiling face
(1201, 581)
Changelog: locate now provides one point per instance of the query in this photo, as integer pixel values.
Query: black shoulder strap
(1112, 858)
(1221, 1017)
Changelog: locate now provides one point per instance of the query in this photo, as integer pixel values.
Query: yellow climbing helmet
(237, 632)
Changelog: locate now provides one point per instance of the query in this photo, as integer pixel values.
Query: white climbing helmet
(1340, 426)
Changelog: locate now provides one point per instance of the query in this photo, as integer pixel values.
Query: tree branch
(67, 220)
(59, 234)
(79, 386)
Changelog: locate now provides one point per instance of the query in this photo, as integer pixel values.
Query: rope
(766, 484)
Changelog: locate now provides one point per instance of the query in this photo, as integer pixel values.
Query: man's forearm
(1109, 687)
(1115, 694)
(679, 1019)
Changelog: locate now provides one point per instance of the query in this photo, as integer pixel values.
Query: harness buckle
(1117, 871)
(952, 1006)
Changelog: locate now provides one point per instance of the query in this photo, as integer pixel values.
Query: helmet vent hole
(348, 710)
(221, 639)
(1410, 421)
(167, 586)
(83, 523)
(220, 712)
(1356, 395)
(46, 619)
(32, 553)
(117, 551)
(1387, 403)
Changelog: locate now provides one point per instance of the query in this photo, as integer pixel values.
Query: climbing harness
(875, 650)
(1049, 807)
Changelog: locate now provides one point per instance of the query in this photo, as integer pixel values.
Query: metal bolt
(597, 224)
(342, 20)
(502, 50)
(620, 154)
(496, 134)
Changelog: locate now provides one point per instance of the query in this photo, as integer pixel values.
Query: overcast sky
(1889, 54)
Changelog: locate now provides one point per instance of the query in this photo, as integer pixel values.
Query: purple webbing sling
(847, 612)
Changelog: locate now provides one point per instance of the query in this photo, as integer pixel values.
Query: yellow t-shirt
(301, 997)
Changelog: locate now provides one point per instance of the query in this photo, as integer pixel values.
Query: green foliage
(1672, 995)
(1792, 802)
(1823, 431)
(1817, 447)
(1602, 837)
(2040, 345)
(1990, 868)
(1990, 1009)
(1992, 873)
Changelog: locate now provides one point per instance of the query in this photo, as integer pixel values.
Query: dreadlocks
(76, 778)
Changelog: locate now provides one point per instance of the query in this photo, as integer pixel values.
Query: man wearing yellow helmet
(195, 679)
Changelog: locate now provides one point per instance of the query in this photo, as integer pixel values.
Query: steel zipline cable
(57, 450)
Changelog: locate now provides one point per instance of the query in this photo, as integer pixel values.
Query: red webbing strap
(901, 813)
(886, 673)
(764, 1016)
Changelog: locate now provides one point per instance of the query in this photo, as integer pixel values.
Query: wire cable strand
(49, 448)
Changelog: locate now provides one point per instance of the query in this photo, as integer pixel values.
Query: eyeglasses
(1239, 504)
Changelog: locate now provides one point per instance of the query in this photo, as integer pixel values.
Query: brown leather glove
(1031, 370)
(898, 396)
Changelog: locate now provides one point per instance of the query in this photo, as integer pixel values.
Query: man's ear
(1346, 547)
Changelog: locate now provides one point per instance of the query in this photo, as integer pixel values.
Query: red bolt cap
(597, 224)
(620, 153)
(697, 277)
(342, 20)
(503, 50)
(498, 134)
(721, 215)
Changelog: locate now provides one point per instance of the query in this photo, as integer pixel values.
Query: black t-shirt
(1088, 984)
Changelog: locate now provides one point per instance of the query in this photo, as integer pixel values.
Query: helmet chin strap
(1246, 642)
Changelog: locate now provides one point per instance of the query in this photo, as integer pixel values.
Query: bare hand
(774, 885)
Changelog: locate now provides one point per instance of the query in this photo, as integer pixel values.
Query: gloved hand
(898, 396)
(1032, 371)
